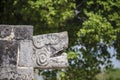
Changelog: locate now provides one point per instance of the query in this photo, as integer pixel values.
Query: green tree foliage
(99, 31)
(92, 25)
(43, 14)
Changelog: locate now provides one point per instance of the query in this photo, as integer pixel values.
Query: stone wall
(21, 52)
(16, 52)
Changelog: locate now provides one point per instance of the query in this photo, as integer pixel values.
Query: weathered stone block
(20, 52)
(23, 32)
(48, 50)
(45, 62)
(16, 73)
(8, 53)
(18, 32)
(5, 30)
(25, 53)
(16, 53)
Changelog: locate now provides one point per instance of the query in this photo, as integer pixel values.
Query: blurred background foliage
(93, 27)
(111, 74)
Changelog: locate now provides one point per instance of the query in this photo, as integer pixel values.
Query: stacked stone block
(16, 52)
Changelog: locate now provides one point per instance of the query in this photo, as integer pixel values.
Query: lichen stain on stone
(8, 52)
(5, 31)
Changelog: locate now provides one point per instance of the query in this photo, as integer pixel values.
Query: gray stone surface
(16, 73)
(48, 50)
(18, 32)
(57, 62)
(21, 52)
(8, 53)
(5, 31)
(25, 53)
(23, 32)
(15, 52)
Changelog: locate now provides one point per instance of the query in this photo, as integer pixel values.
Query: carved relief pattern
(42, 57)
(14, 74)
(48, 50)
(42, 40)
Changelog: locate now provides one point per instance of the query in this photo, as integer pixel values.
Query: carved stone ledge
(53, 62)
(48, 50)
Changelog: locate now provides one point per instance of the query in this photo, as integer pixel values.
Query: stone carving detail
(15, 59)
(48, 50)
(42, 57)
(43, 40)
(15, 74)
(21, 52)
